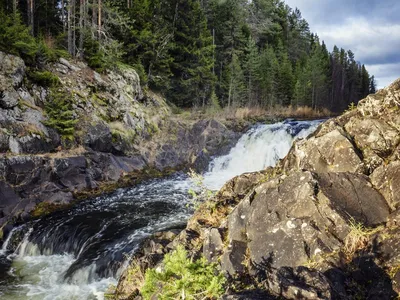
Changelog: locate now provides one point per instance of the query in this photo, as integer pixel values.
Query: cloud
(370, 28)
(372, 44)
(385, 74)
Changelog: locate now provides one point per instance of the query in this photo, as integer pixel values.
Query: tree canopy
(235, 52)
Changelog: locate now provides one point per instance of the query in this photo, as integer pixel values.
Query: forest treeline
(196, 52)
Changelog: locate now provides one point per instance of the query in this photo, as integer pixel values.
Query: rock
(70, 66)
(290, 219)
(352, 196)
(71, 172)
(331, 152)
(374, 137)
(8, 99)
(233, 258)
(9, 199)
(386, 179)
(249, 295)
(315, 211)
(299, 283)
(212, 245)
(12, 67)
(99, 138)
(14, 146)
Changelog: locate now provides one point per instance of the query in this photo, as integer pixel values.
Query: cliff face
(322, 224)
(68, 130)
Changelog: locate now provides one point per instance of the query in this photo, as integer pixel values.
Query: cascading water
(77, 254)
(261, 147)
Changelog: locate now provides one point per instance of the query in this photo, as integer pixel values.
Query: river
(80, 252)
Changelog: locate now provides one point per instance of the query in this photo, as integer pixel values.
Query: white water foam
(41, 279)
(259, 148)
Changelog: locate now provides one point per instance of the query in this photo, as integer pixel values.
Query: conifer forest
(225, 53)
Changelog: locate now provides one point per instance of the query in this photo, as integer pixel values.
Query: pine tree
(251, 67)
(267, 74)
(192, 54)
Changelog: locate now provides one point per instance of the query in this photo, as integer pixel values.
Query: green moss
(96, 99)
(183, 277)
(45, 208)
(152, 129)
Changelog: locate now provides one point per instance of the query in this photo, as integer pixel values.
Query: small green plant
(351, 107)
(60, 113)
(44, 78)
(183, 278)
(200, 193)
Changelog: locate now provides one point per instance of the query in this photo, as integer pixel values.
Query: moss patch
(45, 208)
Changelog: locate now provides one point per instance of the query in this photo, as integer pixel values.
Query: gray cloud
(370, 28)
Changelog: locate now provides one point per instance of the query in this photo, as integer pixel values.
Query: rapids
(79, 253)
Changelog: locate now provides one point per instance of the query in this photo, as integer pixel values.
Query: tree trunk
(99, 20)
(63, 15)
(82, 17)
(15, 9)
(31, 5)
(71, 27)
(94, 18)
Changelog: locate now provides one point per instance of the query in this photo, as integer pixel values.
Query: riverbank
(322, 224)
(94, 238)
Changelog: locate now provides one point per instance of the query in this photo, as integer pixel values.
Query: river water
(79, 253)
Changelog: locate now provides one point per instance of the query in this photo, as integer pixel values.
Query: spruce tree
(192, 54)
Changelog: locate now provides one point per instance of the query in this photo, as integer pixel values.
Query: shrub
(59, 112)
(44, 78)
(16, 39)
(183, 278)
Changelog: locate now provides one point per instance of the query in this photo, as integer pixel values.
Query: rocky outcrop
(120, 134)
(322, 224)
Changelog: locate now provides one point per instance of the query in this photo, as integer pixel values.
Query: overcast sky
(370, 28)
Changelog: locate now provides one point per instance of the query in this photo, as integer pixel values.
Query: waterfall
(261, 147)
(78, 253)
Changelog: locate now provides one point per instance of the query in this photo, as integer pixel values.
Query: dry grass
(257, 112)
(49, 41)
(358, 238)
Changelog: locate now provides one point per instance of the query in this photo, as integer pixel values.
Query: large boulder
(12, 67)
(8, 199)
(329, 152)
(386, 179)
(290, 219)
(99, 138)
(12, 72)
(8, 98)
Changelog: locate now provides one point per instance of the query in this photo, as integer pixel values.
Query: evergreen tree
(192, 52)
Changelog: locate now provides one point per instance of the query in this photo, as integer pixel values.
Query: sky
(370, 28)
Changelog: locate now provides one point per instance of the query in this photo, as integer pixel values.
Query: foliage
(59, 111)
(183, 278)
(258, 53)
(200, 193)
(44, 78)
(15, 37)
